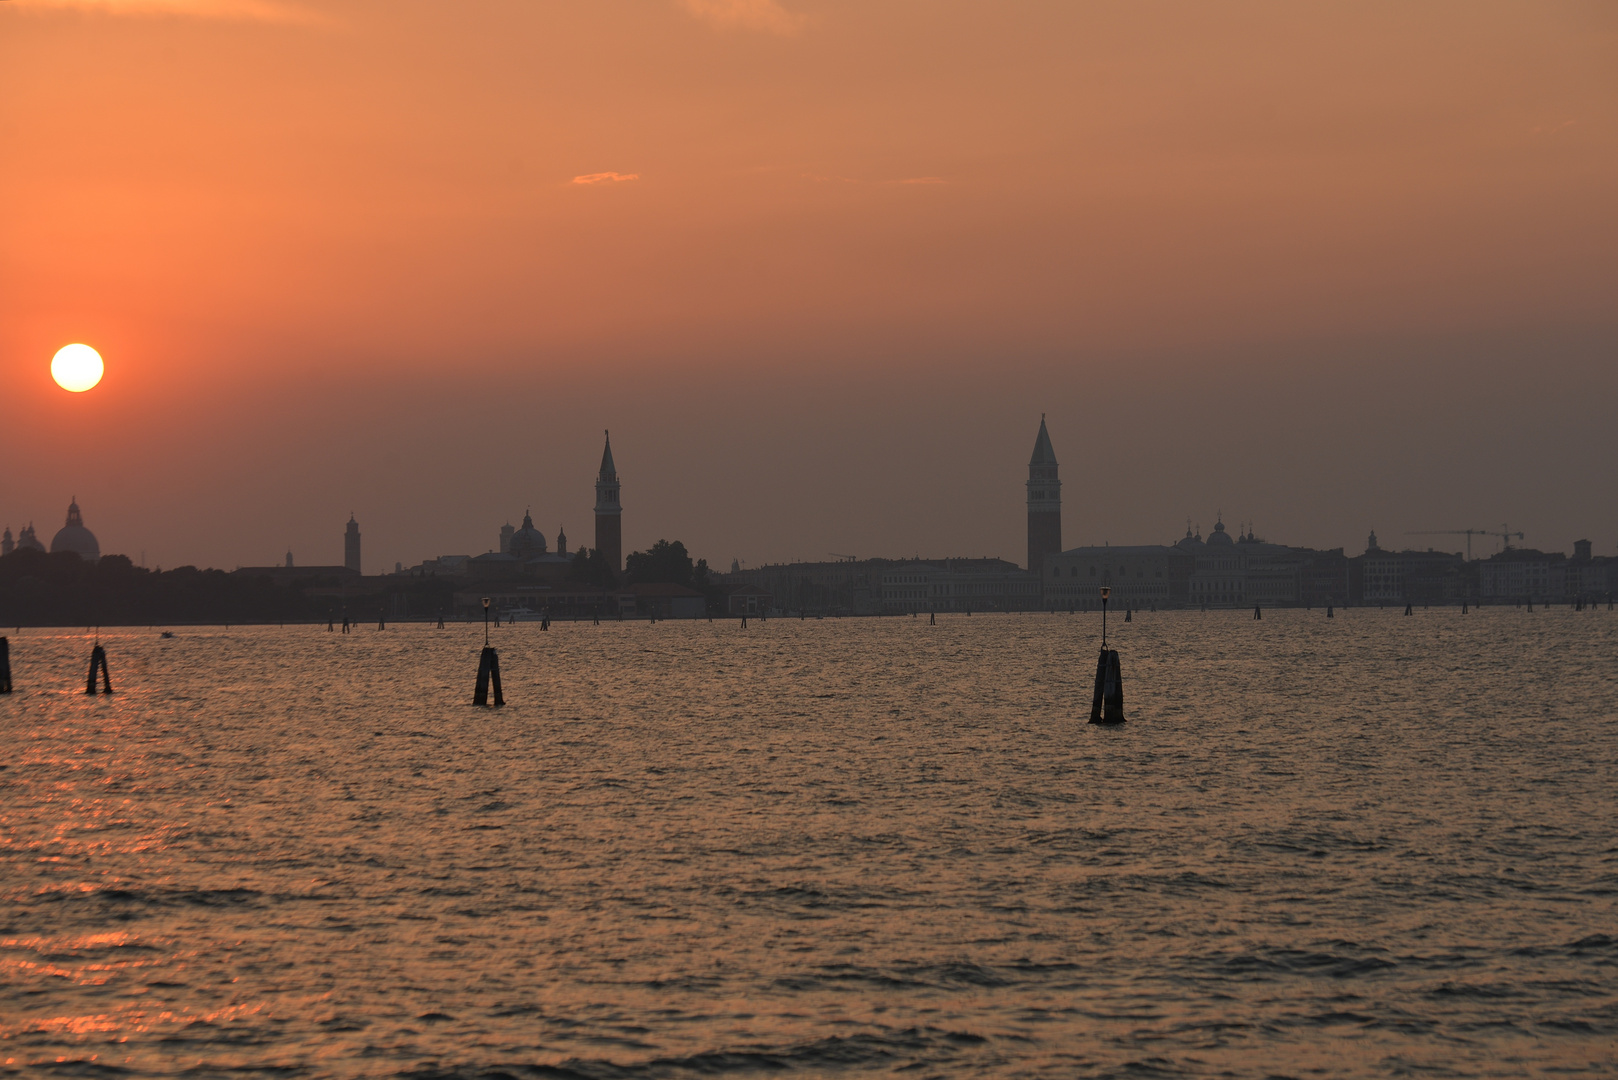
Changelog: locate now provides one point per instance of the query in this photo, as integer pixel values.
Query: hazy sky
(819, 264)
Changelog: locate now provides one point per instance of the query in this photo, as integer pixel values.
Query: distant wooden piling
(1463, 607)
(98, 661)
(1257, 614)
(5, 666)
(488, 671)
(1129, 614)
(1409, 610)
(1328, 611)
(381, 624)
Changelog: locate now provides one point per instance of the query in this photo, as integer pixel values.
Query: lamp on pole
(1105, 592)
(486, 623)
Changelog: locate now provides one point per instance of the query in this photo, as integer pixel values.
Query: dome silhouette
(75, 537)
(528, 542)
(1219, 536)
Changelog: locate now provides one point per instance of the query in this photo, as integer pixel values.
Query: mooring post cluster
(98, 661)
(488, 667)
(1107, 707)
(5, 666)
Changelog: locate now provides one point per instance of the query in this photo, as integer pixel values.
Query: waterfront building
(1139, 575)
(303, 576)
(1382, 577)
(1323, 577)
(1589, 576)
(1518, 574)
(1223, 571)
(1044, 502)
(891, 586)
(531, 601)
(1242, 573)
(957, 585)
(75, 537)
(747, 600)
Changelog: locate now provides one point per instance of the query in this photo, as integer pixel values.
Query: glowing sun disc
(76, 368)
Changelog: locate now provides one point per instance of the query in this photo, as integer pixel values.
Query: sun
(76, 368)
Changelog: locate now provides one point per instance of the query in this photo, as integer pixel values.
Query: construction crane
(1505, 534)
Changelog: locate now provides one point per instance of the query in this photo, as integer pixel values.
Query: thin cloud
(605, 178)
(229, 10)
(766, 15)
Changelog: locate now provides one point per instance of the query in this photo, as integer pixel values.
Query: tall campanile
(351, 545)
(1044, 502)
(609, 512)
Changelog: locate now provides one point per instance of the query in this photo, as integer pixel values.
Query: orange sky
(1326, 266)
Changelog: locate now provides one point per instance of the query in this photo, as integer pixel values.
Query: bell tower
(351, 545)
(1044, 502)
(609, 512)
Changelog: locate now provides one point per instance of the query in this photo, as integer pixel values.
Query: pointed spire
(608, 470)
(1043, 454)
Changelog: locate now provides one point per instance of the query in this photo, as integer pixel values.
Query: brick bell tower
(609, 512)
(1044, 502)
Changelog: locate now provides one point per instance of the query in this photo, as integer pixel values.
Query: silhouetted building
(506, 533)
(609, 512)
(888, 586)
(1044, 502)
(561, 542)
(1518, 574)
(1407, 577)
(75, 537)
(1224, 571)
(747, 600)
(1139, 575)
(351, 545)
(1323, 577)
(1590, 576)
(305, 576)
(27, 539)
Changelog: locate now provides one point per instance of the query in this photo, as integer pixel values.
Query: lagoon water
(1369, 846)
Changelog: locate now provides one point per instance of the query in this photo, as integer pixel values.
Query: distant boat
(521, 614)
(167, 633)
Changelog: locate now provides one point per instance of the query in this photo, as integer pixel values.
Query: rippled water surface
(1375, 845)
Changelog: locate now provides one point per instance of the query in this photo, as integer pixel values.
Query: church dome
(1219, 536)
(1190, 543)
(75, 537)
(528, 542)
